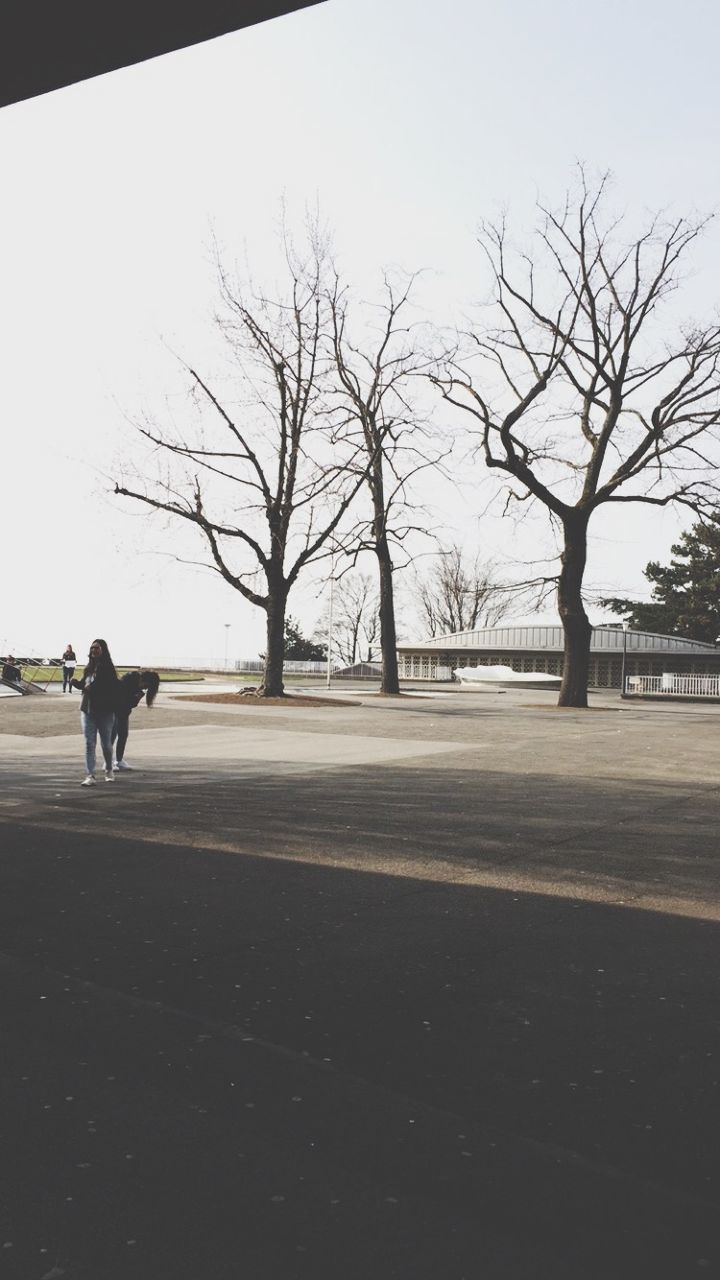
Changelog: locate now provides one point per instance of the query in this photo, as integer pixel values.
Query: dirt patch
(252, 700)
(380, 694)
(543, 706)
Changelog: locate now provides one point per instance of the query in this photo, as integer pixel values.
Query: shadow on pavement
(257, 1063)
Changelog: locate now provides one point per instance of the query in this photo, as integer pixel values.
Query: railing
(291, 666)
(301, 667)
(671, 685)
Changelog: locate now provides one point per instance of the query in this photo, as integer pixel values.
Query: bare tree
(376, 374)
(265, 478)
(578, 398)
(355, 619)
(458, 595)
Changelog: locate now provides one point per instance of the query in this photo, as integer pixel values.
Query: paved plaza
(422, 988)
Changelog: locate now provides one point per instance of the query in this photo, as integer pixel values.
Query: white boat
(505, 677)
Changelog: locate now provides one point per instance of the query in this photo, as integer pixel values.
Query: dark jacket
(69, 660)
(99, 690)
(130, 693)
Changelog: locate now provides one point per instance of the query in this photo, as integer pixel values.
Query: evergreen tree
(298, 647)
(686, 593)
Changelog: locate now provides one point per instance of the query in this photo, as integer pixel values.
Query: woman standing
(131, 689)
(99, 687)
(69, 663)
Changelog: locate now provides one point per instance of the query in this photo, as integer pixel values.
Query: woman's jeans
(68, 673)
(120, 731)
(100, 722)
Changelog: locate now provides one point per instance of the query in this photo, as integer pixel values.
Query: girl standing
(99, 688)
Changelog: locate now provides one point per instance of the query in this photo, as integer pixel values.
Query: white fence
(669, 684)
(300, 667)
(292, 666)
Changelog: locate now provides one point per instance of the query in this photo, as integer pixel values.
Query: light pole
(227, 626)
(330, 621)
(624, 659)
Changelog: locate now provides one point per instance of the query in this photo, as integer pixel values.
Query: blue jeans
(101, 722)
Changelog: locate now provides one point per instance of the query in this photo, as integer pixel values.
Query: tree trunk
(272, 685)
(389, 682)
(577, 629)
(388, 639)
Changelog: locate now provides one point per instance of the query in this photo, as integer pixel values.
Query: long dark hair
(103, 663)
(150, 682)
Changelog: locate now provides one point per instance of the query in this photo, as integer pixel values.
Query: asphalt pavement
(421, 988)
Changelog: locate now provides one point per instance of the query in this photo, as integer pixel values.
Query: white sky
(408, 120)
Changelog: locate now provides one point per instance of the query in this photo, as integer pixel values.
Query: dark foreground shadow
(453, 1080)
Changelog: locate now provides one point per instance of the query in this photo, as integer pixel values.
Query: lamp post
(624, 659)
(227, 626)
(330, 622)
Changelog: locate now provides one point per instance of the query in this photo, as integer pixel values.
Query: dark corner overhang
(48, 44)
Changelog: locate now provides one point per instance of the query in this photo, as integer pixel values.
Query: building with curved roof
(540, 648)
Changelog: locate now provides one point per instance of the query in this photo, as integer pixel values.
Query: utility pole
(330, 621)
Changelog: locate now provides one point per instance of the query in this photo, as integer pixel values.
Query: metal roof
(48, 44)
(604, 640)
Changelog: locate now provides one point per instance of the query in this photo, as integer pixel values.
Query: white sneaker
(89, 781)
(109, 775)
(121, 765)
